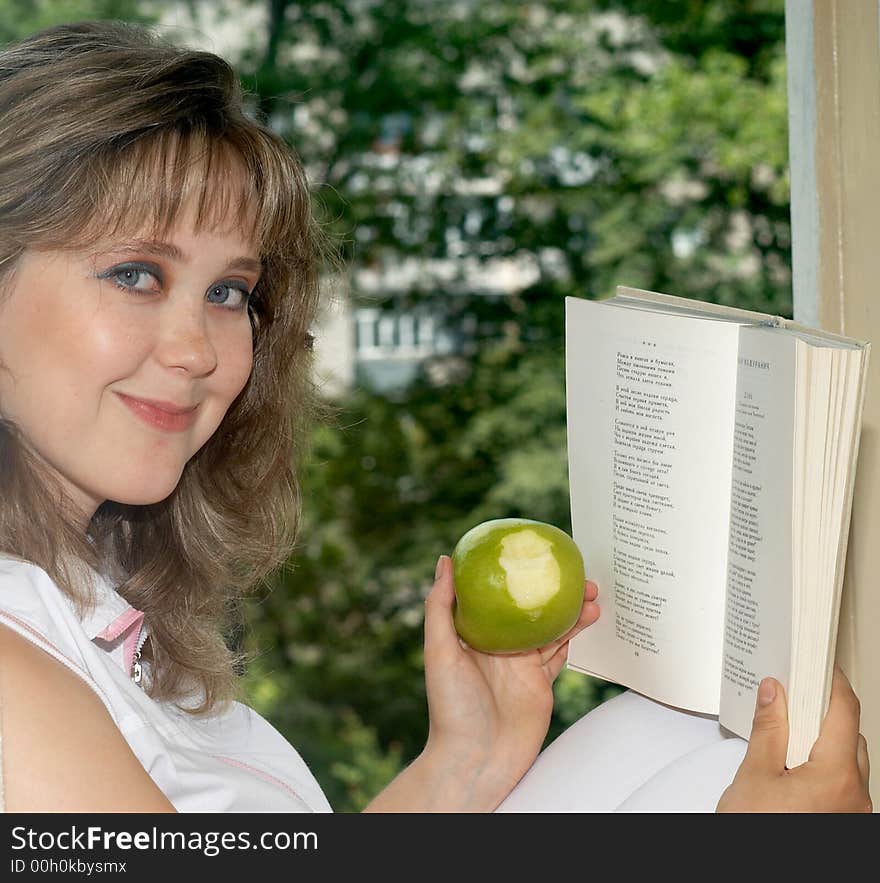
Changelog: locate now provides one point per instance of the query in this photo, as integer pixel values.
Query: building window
(380, 334)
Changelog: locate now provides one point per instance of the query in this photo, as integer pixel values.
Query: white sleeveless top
(233, 762)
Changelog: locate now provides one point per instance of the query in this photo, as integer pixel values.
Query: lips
(160, 414)
(168, 407)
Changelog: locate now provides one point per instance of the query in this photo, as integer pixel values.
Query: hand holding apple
(489, 712)
(519, 585)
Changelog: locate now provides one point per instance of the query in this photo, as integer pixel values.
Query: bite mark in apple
(533, 575)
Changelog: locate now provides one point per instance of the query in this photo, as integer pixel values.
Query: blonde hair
(100, 123)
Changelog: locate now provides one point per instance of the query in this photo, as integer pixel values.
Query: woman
(158, 279)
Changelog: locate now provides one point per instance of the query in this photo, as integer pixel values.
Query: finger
(863, 760)
(839, 733)
(556, 662)
(591, 590)
(589, 614)
(439, 628)
(768, 743)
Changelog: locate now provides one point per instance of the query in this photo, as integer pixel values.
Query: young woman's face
(86, 337)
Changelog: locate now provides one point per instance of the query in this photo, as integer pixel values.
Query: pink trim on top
(129, 622)
(19, 626)
(266, 777)
(122, 622)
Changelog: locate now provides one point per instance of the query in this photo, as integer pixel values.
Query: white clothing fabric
(632, 754)
(628, 755)
(233, 762)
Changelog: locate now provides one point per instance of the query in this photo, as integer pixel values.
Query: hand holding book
(833, 779)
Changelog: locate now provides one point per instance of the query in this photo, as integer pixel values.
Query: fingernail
(438, 570)
(766, 691)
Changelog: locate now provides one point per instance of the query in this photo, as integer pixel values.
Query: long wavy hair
(102, 123)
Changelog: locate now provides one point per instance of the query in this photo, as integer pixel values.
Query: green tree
(597, 144)
(18, 18)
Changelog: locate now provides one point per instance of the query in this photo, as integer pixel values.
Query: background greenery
(601, 142)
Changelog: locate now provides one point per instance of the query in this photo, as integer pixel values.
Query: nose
(185, 341)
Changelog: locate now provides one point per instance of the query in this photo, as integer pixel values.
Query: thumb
(439, 628)
(768, 743)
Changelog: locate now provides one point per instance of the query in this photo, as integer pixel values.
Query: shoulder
(62, 751)
(32, 605)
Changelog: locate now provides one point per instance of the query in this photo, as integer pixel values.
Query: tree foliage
(18, 18)
(594, 144)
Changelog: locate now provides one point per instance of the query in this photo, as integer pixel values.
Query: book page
(757, 637)
(650, 401)
(830, 429)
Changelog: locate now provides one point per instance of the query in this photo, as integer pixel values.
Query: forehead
(196, 249)
(169, 187)
(183, 241)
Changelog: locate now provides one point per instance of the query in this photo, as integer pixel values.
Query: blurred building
(358, 342)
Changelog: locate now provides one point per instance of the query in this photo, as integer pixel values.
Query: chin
(144, 496)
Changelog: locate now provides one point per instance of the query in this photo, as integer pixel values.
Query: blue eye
(132, 277)
(231, 291)
(135, 279)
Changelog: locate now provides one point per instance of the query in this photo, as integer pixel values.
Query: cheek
(235, 363)
(64, 356)
(113, 348)
(238, 361)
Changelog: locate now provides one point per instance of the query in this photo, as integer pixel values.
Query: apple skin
(519, 584)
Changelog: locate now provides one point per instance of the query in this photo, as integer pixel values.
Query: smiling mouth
(161, 415)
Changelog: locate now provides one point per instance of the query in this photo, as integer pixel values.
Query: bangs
(240, 182)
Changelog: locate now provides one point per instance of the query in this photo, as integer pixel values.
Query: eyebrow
(168, 250)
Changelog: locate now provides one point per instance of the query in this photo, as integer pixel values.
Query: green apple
(519, 584)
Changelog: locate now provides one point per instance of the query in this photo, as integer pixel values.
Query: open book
(712, 456)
